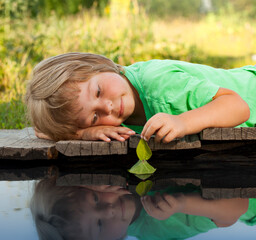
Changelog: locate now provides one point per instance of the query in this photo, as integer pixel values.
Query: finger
(162, 132)
(161, 203)
(149, 129)
(117, 189)
(104, 138)
(125, 136)
(43, 136)
(150, 207)
(117, 136)
(169, 136)
(125, 130)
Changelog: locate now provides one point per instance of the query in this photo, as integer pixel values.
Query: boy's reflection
(110, 212)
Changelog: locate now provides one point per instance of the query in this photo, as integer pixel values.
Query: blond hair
(52, 92)
(57, 210)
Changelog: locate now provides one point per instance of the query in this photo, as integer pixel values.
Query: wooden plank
(249, 133)
(166, 182)
(221, 145)
(211, 134)
(228, 134)
(23, 174)
(91, 179)
(217, 193)
(91, 148)
(23, 144)
(187, 142)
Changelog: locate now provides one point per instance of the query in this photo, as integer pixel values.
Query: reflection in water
(15, 217)
(110, 212)
(16, 222)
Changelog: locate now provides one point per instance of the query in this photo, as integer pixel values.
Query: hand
(105, 133)
(41, 135)
(162, 207)
(109, 188)
(165, 126)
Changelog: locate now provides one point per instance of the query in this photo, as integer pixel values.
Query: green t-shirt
(178, 226)
(175, 87)
(249, 218)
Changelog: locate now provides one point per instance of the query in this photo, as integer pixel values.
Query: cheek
(115, 230)
(109, 120)
(110, 197)
(116, 87)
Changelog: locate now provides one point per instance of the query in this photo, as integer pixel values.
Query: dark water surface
(16, 222)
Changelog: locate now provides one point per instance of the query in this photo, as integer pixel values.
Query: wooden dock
(222, 161)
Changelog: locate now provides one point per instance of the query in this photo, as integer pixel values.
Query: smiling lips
(121, 111)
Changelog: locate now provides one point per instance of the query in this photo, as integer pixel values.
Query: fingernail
(122, 139)
(131, 132)
(145, 139)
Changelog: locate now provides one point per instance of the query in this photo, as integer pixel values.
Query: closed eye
(99, 224)
(98, 91)
(95, 118)
(96, 198)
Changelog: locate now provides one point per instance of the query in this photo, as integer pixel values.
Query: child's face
(107, 215)
(106, 99)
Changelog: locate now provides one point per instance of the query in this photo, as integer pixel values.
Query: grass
(125, 35)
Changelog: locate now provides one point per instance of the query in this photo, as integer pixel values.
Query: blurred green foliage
(126, 31)
(33, 8)
(195, 8)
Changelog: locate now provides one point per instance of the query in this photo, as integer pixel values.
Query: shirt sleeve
(180, 90)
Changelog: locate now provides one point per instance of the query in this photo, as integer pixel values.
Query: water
(16, 222)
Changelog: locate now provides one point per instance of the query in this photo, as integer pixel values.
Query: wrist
(182, 201)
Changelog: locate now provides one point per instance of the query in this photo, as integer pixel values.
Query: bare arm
(227, 109)
(223, 212)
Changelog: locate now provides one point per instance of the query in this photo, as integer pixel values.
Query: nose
(107, 107)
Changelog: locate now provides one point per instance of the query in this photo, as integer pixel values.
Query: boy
(87, 96)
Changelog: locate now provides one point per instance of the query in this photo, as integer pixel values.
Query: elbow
(225, 224)
(245, 112)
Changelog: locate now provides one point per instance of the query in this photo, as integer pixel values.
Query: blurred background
(220, 33)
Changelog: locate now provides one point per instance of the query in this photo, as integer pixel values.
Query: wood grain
(188, 142)
(24, 145)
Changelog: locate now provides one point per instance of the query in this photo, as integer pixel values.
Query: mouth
(121, 111)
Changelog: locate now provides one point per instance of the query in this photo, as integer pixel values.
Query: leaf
(142, 169)
(144, 187)
(143, 150)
